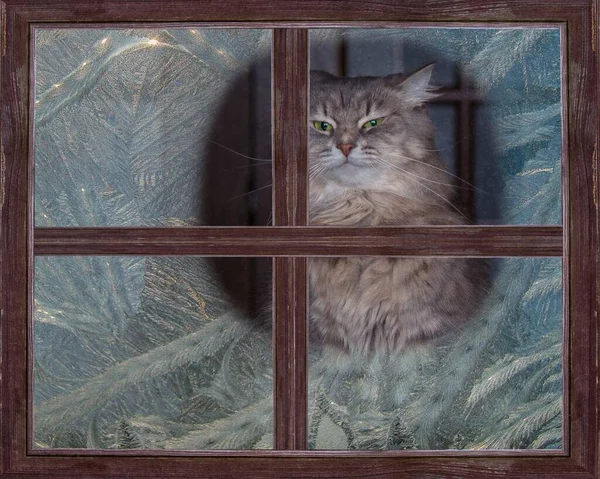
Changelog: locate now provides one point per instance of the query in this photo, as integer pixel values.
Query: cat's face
(363, 129)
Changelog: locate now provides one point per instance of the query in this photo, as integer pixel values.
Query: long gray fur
(393, 175)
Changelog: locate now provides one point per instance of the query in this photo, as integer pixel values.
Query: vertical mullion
(290, 120)
(290, 78)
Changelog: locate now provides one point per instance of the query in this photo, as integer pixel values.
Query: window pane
(486, 149)
(152, 353)
(152, 127)
(436, 353)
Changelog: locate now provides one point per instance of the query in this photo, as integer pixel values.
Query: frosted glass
(495, 383)
(152, 127)
(151, 353)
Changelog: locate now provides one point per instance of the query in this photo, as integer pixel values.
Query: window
(135, 161)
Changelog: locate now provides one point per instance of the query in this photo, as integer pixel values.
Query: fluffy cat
(373, 162)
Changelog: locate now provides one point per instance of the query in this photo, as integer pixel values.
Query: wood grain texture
(294, 12)
(15, 231)
(305, 241)
(3, 32)
(290, 176)
(596, 169)
(581, 229)
(290, 127)
(291, 351)
(304, 465)
(581, 255)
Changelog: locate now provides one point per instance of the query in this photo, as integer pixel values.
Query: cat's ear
(416, 89)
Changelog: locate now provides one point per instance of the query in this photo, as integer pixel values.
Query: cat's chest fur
(370, 304)
(383, 304)
(356, 207)
(335, 206)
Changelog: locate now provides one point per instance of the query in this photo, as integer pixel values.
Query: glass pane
(436, 353)
(152, 353)
(485, 149)
(152, 127)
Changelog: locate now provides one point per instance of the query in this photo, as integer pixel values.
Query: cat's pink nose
(346, 147)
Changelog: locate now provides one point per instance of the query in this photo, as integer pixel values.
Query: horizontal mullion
(477, 241)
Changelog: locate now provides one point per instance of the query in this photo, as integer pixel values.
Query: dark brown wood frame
(291, 241)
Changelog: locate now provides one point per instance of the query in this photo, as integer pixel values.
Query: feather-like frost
(159, 350)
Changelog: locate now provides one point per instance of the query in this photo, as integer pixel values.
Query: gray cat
(373, 162)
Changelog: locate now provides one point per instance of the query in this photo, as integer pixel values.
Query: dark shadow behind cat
(236, 179)
(373, 162)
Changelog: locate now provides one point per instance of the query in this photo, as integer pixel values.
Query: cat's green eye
(372, 123)
(322, 126)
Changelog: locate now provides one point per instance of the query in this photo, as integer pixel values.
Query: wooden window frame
(290, 241)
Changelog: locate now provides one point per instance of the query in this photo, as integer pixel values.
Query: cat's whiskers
(245, 167)
(469, 186)
(391, 165)
(428, 179)
(315, 170)
(435, 168)
(394, 193)
(262, 160)
(250, 192)
(448, 148)
(418, 200)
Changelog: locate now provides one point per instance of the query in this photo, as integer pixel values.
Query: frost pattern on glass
(496, 384)
(148, 353)
(154, 353)
(145, 127)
